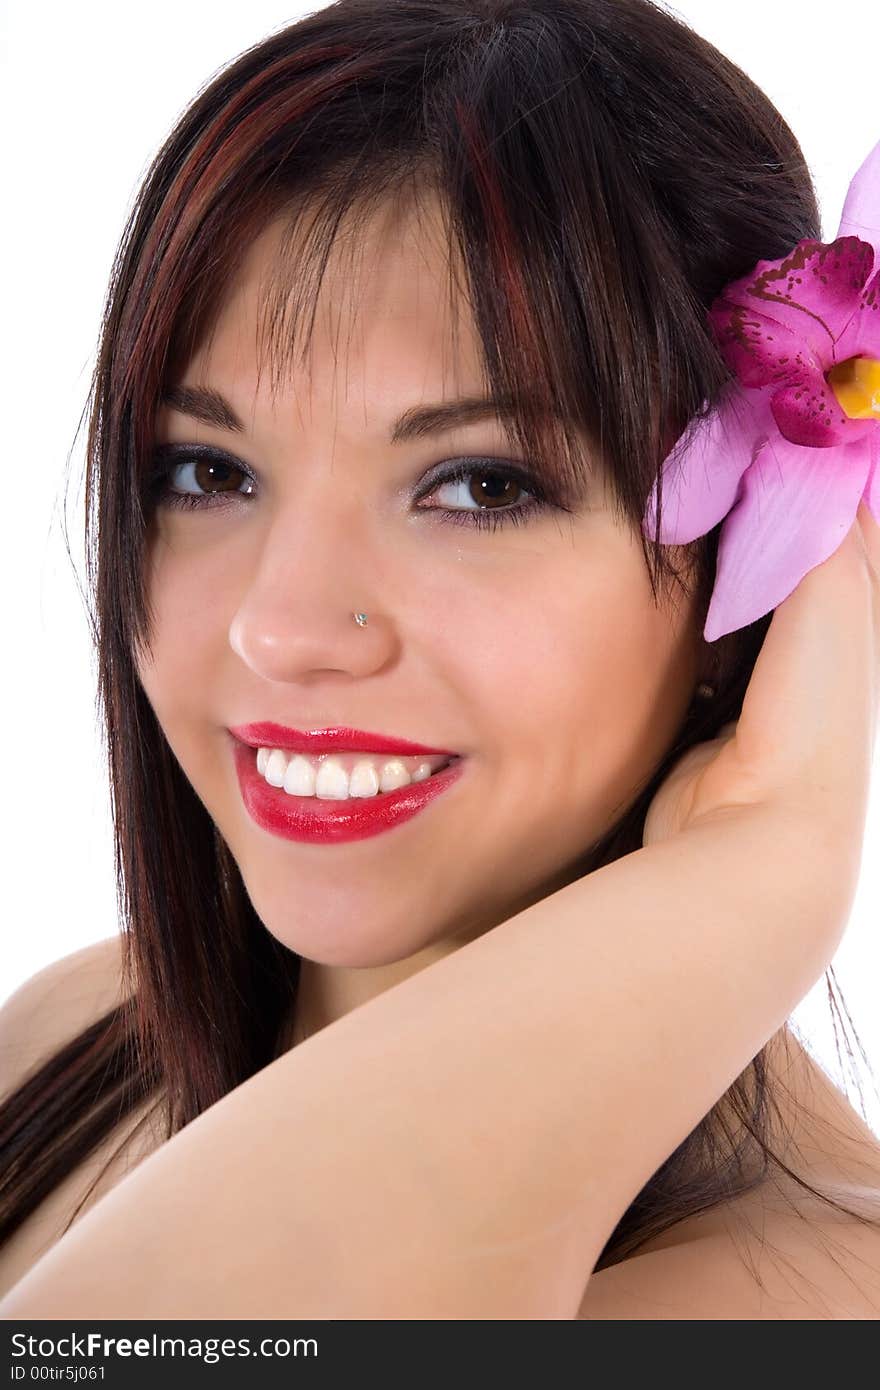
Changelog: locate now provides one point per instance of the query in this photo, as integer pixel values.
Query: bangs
(553, 422)
(586, 217)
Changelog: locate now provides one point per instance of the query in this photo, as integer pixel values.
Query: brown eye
(488, 493)
(197, 476)
(216, 476)
(480, 493)
(491, 489)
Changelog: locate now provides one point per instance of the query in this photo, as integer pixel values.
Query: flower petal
(861, 208)
(813, 292)
(861, 337)
(759, 350)
(701, 474)
(808, 413)
(795, 508)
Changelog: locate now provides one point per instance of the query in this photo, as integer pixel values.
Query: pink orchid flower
(792, 446)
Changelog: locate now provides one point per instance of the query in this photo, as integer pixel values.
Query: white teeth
(276, 766)
(364, 780)
(330, 780)
(394, 775)
(299, 779)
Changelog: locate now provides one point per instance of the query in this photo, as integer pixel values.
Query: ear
(707, 669)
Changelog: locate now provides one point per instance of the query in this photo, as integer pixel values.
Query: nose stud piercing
(360, 619)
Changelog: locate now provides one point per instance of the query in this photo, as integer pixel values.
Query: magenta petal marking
(861, 337)
(795, 508)
(757, 349)
(702, 472)
(861, 208)
(808, 413)
(813, 292)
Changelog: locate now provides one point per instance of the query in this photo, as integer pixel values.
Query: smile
(337, 776)
(325, 805)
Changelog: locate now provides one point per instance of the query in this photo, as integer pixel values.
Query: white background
(90, 91)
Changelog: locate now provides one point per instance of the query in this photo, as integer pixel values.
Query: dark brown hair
(604, 172)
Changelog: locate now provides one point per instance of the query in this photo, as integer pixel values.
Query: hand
(804, 740)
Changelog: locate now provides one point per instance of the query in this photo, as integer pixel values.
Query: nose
(297, 617)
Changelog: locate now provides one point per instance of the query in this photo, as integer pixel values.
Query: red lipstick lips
(333, 740)
(323, 820)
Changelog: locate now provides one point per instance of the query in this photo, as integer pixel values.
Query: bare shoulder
(55, 1004)
(49, 1009)
(762, 1264)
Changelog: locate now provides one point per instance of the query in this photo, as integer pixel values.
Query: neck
(326, 993)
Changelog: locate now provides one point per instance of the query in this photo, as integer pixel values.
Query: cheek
(188, 593)
(591, 638)
(589, 679)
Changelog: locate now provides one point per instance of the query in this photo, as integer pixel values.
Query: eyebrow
(208, 405)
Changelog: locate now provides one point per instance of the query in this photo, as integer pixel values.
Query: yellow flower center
(856, 384)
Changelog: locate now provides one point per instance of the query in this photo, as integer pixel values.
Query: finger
(809, 715)
(871, 536)
(870, 532)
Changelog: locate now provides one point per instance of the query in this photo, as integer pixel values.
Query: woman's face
(534, 650)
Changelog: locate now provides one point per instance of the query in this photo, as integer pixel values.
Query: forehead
(379, 317)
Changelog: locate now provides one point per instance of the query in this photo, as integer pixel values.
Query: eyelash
(169, 457)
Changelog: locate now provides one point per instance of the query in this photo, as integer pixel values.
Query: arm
(463, 1145)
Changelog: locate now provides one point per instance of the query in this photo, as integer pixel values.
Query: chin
(348, 941)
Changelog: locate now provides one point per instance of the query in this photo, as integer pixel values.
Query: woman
(484, 1026)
